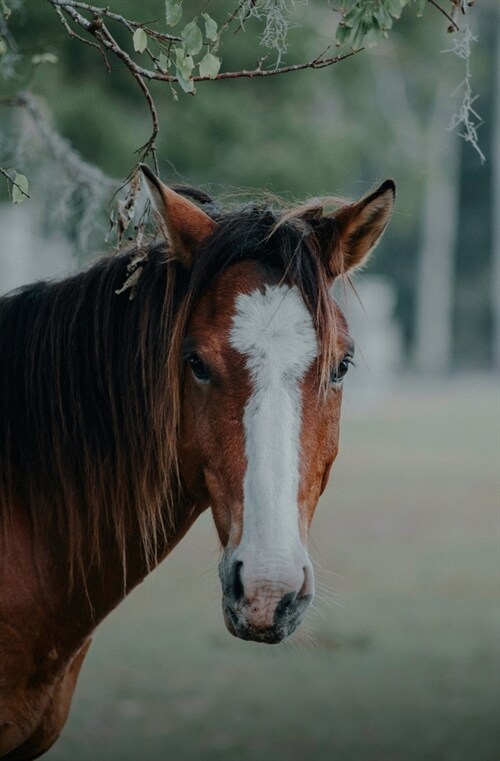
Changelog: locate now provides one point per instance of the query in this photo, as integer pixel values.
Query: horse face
(258, 432)
(259, 438)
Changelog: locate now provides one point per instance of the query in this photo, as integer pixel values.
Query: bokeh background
(400, 659)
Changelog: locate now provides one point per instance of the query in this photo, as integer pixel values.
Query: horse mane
(91, 380)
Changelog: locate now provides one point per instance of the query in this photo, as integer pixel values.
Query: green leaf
(347, 5)
(44, 58)
(186, 84)
(3, 46)
(354, 16)
(210, 28)
(184, 65)
(373, 36)
(140, 40)
(20, 189)
(173, 11)
(191, 37)
(359, 35)
(184, 62)
(395, 7)
(163, 61)
(5, 9)
(210, 66)
(383, 17)
(420, 6)
(342, 34)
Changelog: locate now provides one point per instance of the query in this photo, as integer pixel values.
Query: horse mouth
(288, 616)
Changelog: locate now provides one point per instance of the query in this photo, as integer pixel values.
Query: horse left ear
(186, 225)
(359, 227)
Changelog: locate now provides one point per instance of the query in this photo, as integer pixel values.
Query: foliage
(184, 44)
(366, 23)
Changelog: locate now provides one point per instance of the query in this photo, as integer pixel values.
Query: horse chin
(287, 619)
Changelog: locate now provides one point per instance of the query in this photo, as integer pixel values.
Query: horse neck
(80, 471)
(54, 612)
(107, 585)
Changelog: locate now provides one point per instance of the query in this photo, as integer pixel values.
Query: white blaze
(275, 332)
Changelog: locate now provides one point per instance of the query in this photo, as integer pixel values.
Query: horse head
(264, 352)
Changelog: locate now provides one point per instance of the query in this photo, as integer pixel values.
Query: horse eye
(338, 373)
(199, 370)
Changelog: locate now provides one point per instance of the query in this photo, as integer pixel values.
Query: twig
(72, 33)
(447, 15)
(150, 145)
(317, 63)
(13, 182)
(99, 12)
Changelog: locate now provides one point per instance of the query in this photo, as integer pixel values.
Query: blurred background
(399, 661)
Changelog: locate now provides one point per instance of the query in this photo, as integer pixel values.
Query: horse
(203, 370)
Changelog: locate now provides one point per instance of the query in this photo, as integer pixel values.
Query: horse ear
(185, 224)
(359, 227)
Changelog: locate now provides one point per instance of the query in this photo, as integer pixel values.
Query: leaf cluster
(367, 22)
(198, 42)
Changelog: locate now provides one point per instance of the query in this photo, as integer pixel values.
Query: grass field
(399, 661)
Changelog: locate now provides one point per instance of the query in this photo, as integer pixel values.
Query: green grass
(399, 663)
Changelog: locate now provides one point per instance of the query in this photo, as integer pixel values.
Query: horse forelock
(285, 242)
(91, 386)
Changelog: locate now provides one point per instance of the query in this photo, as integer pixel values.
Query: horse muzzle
(262, 606)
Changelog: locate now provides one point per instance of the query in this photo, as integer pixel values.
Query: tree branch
(99, 12)
(317, 63)
(98, 30)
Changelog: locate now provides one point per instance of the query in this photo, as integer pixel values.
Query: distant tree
(495, 280)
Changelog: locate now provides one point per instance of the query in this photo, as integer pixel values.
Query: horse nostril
(289, 600)
(238, 591)
(306, 585)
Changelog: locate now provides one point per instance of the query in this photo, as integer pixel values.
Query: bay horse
(204, 371)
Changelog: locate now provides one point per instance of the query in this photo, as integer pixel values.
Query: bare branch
(150, 146)
(446, 15)
(317, 63)
(82, 39)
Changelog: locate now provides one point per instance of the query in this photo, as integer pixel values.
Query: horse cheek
(190, 454)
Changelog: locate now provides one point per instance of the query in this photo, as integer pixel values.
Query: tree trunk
(496, 203)
(433, 340)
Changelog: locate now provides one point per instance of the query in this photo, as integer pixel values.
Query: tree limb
(98, 29)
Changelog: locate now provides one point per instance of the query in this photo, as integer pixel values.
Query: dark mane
(91, 380)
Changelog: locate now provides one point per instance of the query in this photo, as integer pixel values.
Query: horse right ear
(356, 228)
(184, 223)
